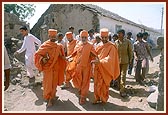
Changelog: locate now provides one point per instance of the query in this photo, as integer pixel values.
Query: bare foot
(50, 103)
(82, 101)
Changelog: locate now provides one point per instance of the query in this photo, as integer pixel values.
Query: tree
(23, 11)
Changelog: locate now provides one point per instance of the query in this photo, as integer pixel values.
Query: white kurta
(29, 46)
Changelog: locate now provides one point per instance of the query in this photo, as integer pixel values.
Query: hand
(16, 53)
(95, 61)
(67, 58)
(70, 59)
(44, 60)
(152, 59)
(136, 58)
(6, 85)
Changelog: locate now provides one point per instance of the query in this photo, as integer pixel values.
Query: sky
(148, 14)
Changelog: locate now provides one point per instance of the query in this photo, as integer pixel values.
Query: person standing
(78, 36)
(60, 40)
(50, 59)
(29, 43)
(69, 71)
(141, 52)
(151, 45)
(98, 41)
(7, 67)
(125, 57)
(114, 38)
(84, 52)
(91, 37)
(106, 70)
(130, 67)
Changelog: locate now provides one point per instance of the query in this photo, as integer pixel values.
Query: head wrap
(84, 33)
(104, 32)
(52, 32)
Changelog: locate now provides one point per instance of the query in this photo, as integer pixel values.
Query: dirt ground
(20, 98)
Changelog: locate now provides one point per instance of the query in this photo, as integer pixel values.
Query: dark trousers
(130, 67)
(138, 69)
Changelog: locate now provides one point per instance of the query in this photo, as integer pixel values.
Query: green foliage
(23, 11)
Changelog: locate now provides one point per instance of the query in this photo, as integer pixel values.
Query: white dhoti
(30, 67)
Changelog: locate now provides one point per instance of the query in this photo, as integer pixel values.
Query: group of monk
(78, 60)
(81, 62)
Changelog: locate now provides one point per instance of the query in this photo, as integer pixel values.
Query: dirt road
(19, 98)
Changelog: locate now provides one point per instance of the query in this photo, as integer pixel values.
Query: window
(118, 27)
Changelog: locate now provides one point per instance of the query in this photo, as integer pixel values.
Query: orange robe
(70, 65)
(107, 70)
(53, 70)
(81, 80)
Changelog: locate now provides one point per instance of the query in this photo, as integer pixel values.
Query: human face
(23, 32)
(84, 39)
(60, 38)
(69, 39)
(52, 38)
(115, 38)
(120, 35)
(104, 39)
(98, 39)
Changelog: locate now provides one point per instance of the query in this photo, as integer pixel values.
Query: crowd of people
(104, 57)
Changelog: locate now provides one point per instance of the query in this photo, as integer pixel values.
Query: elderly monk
(106, 70)
(49, 60)
(70, 65)
(85, 52)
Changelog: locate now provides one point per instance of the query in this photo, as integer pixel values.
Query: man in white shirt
(60, 40)
(29, 43)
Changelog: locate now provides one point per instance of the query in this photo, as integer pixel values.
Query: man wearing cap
(29, 45)
(107, 69)
(84, 53)
(51, 61)
(125, 57)
(141, 52)
(71, 64)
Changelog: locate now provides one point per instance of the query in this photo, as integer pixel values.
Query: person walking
(141, 52)
(84, 52)
(50, 59)
(29, 43)
(125, 58)
(106, 69)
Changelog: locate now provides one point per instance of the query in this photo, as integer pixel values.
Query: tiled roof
(114, 16)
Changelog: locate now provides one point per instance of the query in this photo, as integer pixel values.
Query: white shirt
(29, 44)
(63, 43)
(97, 44)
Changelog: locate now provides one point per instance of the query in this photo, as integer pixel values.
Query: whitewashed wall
(111, 25)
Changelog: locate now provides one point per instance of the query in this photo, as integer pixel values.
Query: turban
(69, 35)
(104, 32)
(84, 33)
(52, 32)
